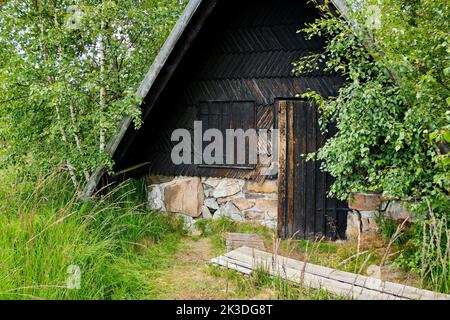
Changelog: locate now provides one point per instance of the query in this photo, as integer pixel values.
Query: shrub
(391, 114)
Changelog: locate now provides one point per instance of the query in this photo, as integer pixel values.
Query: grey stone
(207, 191)
(369, 214)
(254, 215)
(188, 221)
(369, 225)
(218, 214)
(206, 214)
(230, 211)
(396, 211)
(226, 188)
(211, 203)
(211, 182)
(255, 196)
(360, 225)
(155, 198)
(270, 223)
(268, 186)
(222, 201)
(243, 204)
(189, 224)
(268, 206)
(353, 225)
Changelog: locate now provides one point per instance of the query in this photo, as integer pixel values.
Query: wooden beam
(340, 282)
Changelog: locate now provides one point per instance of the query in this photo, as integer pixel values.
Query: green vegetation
(392, 115)
(261, 284)
(117, 244)
(122, 250)
(125, 251)
(346, 256)
(69, 71)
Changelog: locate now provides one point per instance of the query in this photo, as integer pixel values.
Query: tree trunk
(102, 88)
(77, 138)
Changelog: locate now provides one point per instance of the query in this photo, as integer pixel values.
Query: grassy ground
(123, 251)
(190, 278)
(47, 235)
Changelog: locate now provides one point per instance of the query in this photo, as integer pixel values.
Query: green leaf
(447, 136)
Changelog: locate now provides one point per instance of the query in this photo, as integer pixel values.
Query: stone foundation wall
(211, 198)
(362, 218)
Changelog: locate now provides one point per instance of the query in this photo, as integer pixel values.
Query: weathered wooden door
(304, 210)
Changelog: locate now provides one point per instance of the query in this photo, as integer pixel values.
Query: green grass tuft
(115, 241)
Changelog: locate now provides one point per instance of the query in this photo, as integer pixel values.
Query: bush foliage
(69, 71)
(392, 114)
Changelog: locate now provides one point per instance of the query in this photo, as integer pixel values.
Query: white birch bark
(102, 88)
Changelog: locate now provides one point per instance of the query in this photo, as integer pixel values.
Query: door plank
(291, 168)
(281, 227)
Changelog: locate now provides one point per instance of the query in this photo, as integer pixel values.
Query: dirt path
(190, 278)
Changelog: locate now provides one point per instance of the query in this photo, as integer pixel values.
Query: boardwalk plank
(339, 282)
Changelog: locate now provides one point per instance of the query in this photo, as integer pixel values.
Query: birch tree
(68, 75)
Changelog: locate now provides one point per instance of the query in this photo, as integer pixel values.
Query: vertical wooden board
(308, 212)
(342, 218)
(310, 174)
(315, 171)
(281, 227)
(332, 202)
(298, 194)
(332, 222)
(303, 183)
(291, 168)
(214, 119)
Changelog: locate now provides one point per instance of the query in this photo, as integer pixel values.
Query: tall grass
(114, 241)
(425, 246)
(435, 254)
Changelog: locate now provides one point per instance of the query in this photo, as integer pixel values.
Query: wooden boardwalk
(349, 285)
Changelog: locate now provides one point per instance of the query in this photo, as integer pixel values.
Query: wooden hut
(229, 65)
